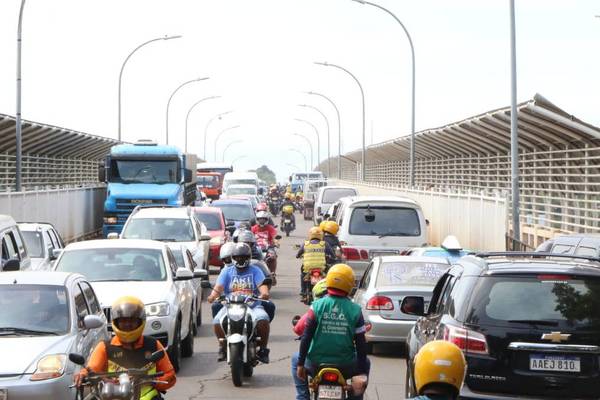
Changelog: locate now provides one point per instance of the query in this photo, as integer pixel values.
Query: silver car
(386, 282)
(45, 316)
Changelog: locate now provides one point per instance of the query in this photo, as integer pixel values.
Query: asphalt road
(202, 377)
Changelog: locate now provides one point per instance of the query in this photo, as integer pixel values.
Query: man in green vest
(335, 330)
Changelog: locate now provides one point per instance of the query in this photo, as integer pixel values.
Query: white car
(145, 269)
(326, 196)
(13, 251)
(43, 242)
(170, 224)
(243, 190)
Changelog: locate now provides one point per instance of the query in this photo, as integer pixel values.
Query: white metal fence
(76, 213)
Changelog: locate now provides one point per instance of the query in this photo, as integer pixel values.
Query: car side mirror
(101, 172)
(14, 264)
(55, 254)
(77, 359)
(413, 305)
(201, 273)
(187, 175)
(205, 285)
(204, 238)
(183, 274)
(112, 235)
(229, 224)
(92, 322)
(49, 252)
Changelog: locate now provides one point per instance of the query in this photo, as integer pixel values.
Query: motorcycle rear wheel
(237, 363)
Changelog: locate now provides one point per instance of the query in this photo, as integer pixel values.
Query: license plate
(330, 392)
(539, 362)
(3, 394)
(288, 221)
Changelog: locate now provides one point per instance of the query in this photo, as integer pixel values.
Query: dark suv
(528, 323)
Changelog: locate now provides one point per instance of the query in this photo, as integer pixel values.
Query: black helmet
(246, 237)
(241, 255)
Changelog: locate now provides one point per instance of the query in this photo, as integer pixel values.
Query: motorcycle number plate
(288, 221)
(330, 392)
(3, 394)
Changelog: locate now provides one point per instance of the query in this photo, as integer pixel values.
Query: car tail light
(380, 303)
(330, 377)
(551, 277)
(364, 254)
(470, 342)
(350, 253)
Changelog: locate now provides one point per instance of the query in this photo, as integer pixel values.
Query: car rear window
(165, 229)
(409, 273)
(385, 221)
(333, 195)
(547, 301)
(34, 243)
(210, 220)
(236, 212)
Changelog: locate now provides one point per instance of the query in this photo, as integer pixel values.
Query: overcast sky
(259, 56)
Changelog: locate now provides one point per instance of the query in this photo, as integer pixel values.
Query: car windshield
(559, 301)
(33, 310)
(232, 191)
(144, 171)
(34, 243)
(115, 264)
(165, 229)
(208, 181)
(333, 195)
(385, 221)
(236, 212)
(409, 274)
(212, 221)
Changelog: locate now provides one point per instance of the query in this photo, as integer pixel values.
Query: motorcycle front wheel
(237, 364)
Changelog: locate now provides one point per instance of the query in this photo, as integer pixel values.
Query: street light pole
(123, 67)
(171, 98)
(18, 133)
(309, 145)
(339, 130)
(187, 117)
(303, 156)
(362, 93)
(328, 136)
(219, 135)
(296, 168)
(218, 116)
(412, 52)
(238, 158)
(318, 138)
(227, 148)
(514, 128)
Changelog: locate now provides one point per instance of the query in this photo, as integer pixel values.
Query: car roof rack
(532, 254)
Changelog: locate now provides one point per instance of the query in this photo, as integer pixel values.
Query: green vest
(333, 342)
(121, 359)
(314, 256)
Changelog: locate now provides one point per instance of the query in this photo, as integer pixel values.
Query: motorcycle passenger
(314, 253)
(335, 331)
(287, 201)
(330, 230)
(245, 279)
(128, 349)
(439, 371)
(246, 236)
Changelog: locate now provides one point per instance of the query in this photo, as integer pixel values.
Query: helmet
(246, 236)
(315, 233)
(439, 362)
(331, 227)
(451, 243)
(226, 251)
(319, 289)
(341, 277)
(288, 195)
(261, 207)
(262, 217)
(322, 225)
(241, 255)
(128, 307)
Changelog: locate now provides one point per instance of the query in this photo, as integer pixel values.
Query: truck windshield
(144, 171)
(208, 181)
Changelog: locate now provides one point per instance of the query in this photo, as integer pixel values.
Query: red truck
(211, 183)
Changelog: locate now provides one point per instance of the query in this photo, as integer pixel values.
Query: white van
(13, 252)
(327, 195)
(240, 178)
(372, 226)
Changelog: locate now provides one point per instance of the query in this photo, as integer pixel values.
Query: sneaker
(222, 355)
(263, 355)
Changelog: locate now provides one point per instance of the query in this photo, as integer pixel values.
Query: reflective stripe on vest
(314, 256)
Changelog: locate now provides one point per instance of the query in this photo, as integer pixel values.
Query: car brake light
(350, 253)
(380, 303)
(470, 342)
(364, 254)
(330, 377)
(549, 277)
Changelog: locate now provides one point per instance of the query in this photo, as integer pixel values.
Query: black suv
(528, 323)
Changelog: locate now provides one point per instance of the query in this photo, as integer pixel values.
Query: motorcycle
(299, 204)
(329, 383)
(286, 222)
(274, 204)
(121, 385)
(311, 278)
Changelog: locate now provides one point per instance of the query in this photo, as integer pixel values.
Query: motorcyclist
(314, 253)
(246, 236)
(265, 238)
(439, 371)
(245, 279)
(330, 230)
(335, 331)
(287, 201)
(263, 207)
(129, 349)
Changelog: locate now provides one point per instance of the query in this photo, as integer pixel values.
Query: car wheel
(198, 313)
(194, 318)
(187, 346)
(175, 349)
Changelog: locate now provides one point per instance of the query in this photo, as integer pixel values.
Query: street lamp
(296, 168)
(171, 98)
(318, 139)
(219, 135)
(339, 130)
(238, 158)
(187, 117)
(303, 156)
(227, 148)
(412, 52)
(18, 149)
(123, 67)
(328, 137)
(514, 129)
(309, 145)
(363, 158)
(218, 116)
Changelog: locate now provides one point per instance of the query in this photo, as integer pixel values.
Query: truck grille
(130, 204)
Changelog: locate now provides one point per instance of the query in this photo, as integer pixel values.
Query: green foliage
(266, 174)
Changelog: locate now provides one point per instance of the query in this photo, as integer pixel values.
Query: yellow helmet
(322, 225)
(288, 195)
(340, 276)
(439, 362)
(315, 233)
(288, 189)
(128, 307)
(331, 227)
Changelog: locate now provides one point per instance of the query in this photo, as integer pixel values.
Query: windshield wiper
(533, 322)
(393, 234)
(9, 330)
(118, 280)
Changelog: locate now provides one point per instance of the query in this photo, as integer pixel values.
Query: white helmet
(451, 243)
(226, 252)
(262, 217)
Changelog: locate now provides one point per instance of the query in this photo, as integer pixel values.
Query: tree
(266, 174)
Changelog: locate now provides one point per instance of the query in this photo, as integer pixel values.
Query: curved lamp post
(238, 158)
(309, 145)
(171, 98)
(123, 67)
(227, 148)
(363, 158)
(339, 131)
(318, 138)
(328, 136)
(303, 156)
(18, 110)
(296, 168)
(219, 135)
(218, 116)
(187, 117)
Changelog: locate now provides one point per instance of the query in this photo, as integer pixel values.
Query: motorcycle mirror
(278, 237)
(156, 356)
(77, 359)
(275, 226)
(295, 320)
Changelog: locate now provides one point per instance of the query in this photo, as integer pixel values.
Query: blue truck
(145, 173)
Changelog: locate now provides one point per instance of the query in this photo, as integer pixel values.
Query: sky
(259, 56)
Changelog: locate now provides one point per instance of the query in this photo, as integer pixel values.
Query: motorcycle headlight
(112, 220)
(49, 367)
(158, 309)
(236, 312)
